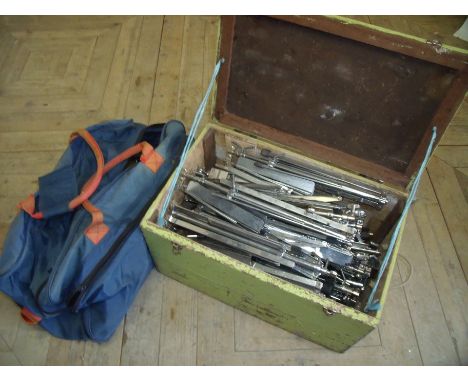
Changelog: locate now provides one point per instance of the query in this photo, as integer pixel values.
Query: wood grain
(455, 156)
(140, 92)
(166, 87)
(64, 353)
(178, 342)
(140, 341)
(445, 268)
(142, 333)
(427, 27)
(425, 308)
(453, 204)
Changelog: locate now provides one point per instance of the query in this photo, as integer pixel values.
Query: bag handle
(149, 157)
(90, 187)
(29, 204)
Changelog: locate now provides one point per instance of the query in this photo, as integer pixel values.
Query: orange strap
(29, 317)
(28, 205)
(93, 184)
(151, 158)
(124, 155)
(97, 229)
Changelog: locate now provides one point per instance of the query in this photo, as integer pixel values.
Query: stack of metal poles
(285, 218)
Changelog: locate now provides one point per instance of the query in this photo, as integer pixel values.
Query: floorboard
(453, 204)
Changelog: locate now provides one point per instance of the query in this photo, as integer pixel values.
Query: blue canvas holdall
(74, 257)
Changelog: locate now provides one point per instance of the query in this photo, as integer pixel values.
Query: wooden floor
(60, 74)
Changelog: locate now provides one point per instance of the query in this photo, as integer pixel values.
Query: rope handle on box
(193, 129)
(374, 305)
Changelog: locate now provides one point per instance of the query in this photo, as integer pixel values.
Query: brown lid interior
(360, 106)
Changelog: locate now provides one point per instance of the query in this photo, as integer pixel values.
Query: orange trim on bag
(153, 160)
(124, 155)
(28, 205)
(29, 317)
(97, 229)
(150, 157)
(93, 183)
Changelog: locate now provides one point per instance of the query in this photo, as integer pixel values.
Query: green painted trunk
(288, 306)
(282, 304)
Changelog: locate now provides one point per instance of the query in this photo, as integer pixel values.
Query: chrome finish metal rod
(289, 276)
(222, 238)
(290, 217)
(235, 229)
(291, 162)
(290, 207)
(351, 189)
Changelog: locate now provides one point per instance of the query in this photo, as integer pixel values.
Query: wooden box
(336, 95)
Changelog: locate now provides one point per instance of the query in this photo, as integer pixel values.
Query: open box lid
(358, 98)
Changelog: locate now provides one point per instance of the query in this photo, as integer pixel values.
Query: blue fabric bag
(74, 257)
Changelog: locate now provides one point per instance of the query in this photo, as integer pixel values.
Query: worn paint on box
(271, 299)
